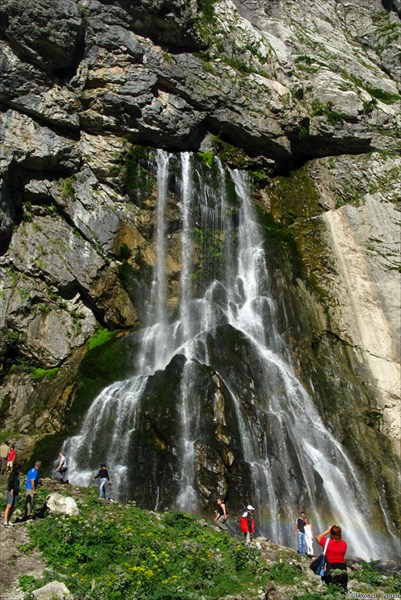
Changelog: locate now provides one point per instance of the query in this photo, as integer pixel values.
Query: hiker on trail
(13, 485)
(12, 455)
(308, 537)
(103, 475)
(61, 468)
(221, 514)
(336, 567)
(4, 451)
(31, 486)
(299, 532)
(247, 524)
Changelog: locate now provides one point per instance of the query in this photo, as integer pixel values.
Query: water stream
(287, 436)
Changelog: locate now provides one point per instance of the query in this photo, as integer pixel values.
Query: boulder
(62, 505)
(387, 567)
(52, 591)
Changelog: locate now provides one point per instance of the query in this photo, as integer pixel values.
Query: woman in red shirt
(11, 458)
(336, 568)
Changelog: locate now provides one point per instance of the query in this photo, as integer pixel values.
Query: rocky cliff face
(304, 95)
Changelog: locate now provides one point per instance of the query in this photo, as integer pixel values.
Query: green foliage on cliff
(67, 187)
(295, 208)
(102, 336)
(38, 374)
(137, 176)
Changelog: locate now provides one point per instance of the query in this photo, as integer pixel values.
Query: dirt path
(14, 563)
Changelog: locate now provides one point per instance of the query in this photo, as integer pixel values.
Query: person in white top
(309, 537)
(61, 468)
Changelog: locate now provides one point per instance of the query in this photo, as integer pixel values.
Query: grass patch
(284, 573)
(117, 552)
(382, 95)
(326, 110)
(102, 337)
(37, 373)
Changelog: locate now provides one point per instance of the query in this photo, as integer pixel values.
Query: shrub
(124, 252)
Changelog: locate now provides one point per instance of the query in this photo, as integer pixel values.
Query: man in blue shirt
(32, 482)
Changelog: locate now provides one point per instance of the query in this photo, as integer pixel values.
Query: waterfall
(293, 460)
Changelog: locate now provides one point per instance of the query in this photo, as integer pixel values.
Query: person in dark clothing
(13, 486)
(336, 567)
(299, 532)
(221, 514)
(103, 475)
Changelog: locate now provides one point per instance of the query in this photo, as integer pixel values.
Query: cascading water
(292, 459)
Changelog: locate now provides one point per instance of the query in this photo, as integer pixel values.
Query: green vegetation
(12, 336)
(112, 551)
(7, 435)
(284, 573)
(388, 32)
(326, 110)
(295, 207)
(233, 156)
(117, 552)
(101, 337)
(309, 63)
(376, 93)
(67, 187)
(207, 158)
(370, 576)
(109, 359)
(124, 252)
(382, 95)
(38, 373)
(206, 7)
(138, 177)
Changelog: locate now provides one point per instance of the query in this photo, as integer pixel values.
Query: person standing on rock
(247, 524)
(104, 478)
(221, 514)
(61, 468)
(13, 486)
(4, 450)
(31, 486)
(308, 537)
(299, 532)
(336, 567)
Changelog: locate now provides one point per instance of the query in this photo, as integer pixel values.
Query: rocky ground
(16, 562)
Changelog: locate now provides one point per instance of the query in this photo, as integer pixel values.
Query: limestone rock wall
(268, 86)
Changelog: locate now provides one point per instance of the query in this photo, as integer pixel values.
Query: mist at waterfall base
(241, 407)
